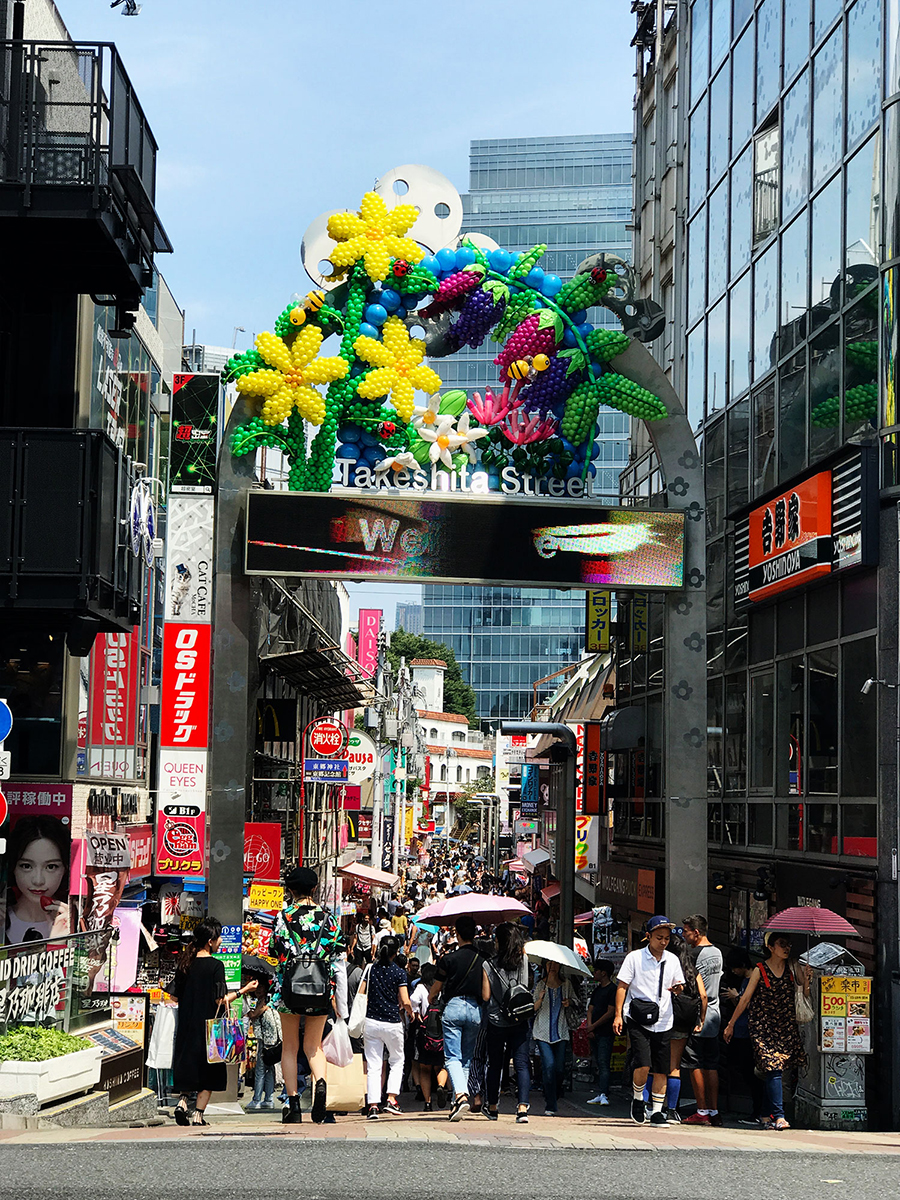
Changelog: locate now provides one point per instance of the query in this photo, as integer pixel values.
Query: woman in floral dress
(304, 926)
(774, 1032)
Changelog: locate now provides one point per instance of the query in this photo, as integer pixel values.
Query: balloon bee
(311, 305)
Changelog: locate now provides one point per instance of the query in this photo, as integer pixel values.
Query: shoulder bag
(646, 1012)
(687, 1005)
(356, 1023)
(226, 1039)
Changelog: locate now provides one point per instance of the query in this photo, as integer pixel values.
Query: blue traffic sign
(325, 770)
(6, 720)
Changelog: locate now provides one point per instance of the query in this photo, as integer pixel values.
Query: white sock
(702, 1112)
(637, 1091)
(656, 1102)
(712, 1112)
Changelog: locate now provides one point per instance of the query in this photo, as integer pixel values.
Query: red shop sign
(115, 668)
(180, 845)
(262, 850)
(184, 698)
(327, 739)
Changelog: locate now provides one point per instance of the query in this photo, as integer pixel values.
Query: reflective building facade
(574, 194)
(781, 285)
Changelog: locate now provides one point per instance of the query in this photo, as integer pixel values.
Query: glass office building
(574, 194)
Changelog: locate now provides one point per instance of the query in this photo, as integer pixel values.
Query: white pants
(381, 1035)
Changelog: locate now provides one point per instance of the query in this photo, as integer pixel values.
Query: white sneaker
(600, 1098)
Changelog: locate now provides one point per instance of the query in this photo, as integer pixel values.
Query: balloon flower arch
(397, 285)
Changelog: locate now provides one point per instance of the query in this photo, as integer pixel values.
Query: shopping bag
(226, 1039)
(356, 1025)
(337, 1045)
(347, 1086)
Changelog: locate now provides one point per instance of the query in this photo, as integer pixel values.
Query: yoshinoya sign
(457, 539)
(822, 524)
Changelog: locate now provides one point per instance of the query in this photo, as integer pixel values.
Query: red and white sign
(110, 726)
(140, 841)
(790, 538)
(183, 777)
(369, 628)
(262, 851)
(578, 730)
(180, 845)
(184, 698)
(327, 739)
(4, 808)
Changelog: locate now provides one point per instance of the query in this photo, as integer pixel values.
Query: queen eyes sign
(463, 540)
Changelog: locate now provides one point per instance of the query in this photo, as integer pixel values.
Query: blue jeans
(553, 1061)
(775, 1094)
(603, 1048)
(461, 1021)
(263, 1080)
(503, 1044)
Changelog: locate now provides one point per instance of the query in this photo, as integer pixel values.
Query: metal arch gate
(235, 669)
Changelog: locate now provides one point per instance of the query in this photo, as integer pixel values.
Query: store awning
(313, 674)
(534, 859)
(551, 890)
(370, 875)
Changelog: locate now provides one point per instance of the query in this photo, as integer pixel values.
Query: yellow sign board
(846, 985)
(266, 897)
(597, 621)
(833, 1006)
(640, 617)
(408, 830)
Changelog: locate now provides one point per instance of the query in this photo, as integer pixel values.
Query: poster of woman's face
(37, 900)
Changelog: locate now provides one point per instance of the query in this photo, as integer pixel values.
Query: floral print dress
(297, 928)
(773, 1024)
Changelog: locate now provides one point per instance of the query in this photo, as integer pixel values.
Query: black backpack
(511, 1007)
(306, 981)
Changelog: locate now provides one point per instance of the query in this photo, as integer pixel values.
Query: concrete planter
(54, 1078)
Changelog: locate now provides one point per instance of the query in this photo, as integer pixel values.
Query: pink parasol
(487, 910)
(814, 921)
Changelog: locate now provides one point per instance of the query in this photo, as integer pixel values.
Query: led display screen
(461, 540)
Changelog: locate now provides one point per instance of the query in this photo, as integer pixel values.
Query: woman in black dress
(199, 988)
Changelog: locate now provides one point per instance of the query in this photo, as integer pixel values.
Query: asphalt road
(251, 1167)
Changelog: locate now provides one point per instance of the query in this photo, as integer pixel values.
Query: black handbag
(646, 1012)
(272, 1054)
(686, 1008)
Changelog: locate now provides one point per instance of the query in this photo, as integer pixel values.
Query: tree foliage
(459, 696)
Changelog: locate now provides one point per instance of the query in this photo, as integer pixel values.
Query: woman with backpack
(307, 940)
(386, 986)
(429, 1041)
(510, 1007)
(552, 996)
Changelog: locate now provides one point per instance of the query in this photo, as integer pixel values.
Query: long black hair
(387, 950)
(510, 940)
(204, 933)
(34, 829)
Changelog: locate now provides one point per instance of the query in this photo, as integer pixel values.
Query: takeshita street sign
(456, 539)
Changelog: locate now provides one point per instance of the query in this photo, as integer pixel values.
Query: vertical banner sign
(593, 768)
(115, 666)
(586, 844)
(578, 730)
(262, 850)
(597, 621)
(640, 640)
(185, 689)
(529, 800)
(195, 418)
(369, 628)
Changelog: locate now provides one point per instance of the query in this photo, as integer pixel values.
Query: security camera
(867, 686)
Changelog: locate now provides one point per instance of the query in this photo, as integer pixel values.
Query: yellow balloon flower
(374, 235)
(294, 370)
(398, 367)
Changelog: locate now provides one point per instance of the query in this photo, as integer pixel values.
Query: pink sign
(369, 628)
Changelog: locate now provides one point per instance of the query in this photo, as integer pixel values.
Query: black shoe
(673, 1116)
(182, 1116)
(320, 1099)
(441, 1095)
(491, 1114)
(638, 1111)
(291, 1114)
(459, 1108)
(716, 1119)
(427, 1107)
(373, 1113)
(658, 1118)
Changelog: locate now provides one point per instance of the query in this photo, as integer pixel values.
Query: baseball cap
(658, 922)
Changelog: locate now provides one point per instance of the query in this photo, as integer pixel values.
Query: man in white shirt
(647, 978)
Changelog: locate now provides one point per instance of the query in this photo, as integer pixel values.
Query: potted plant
(46, 1063)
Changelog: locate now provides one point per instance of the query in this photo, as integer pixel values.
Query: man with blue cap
(646, 979)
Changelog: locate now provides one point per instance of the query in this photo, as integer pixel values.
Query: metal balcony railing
(70, 118)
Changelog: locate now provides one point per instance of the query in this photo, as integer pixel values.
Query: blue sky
(268, 113)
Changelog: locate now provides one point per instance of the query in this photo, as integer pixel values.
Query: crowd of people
(457, 1014)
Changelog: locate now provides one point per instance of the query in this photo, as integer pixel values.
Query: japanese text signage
(328, 738)
(369, 628)
(790, 538)
(597, 621)
(325, 770)
(845, 1018)
(593, 768)
(114, 686)
(262, 849)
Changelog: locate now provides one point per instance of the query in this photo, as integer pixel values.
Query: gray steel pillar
(684, 709)
(235, 681)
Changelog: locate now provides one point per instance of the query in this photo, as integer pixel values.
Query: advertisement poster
(184, 695)
(845, 1015)
(129, 1014)
(111, 718)
(123, 955)
(587, 839)
(38, 814)
(859, 1035)
(369, 628)
(834, 1031)
(266, 897)
(180, 845)
(598, 621)
(189, 550)
(262, 850)
(193, 443)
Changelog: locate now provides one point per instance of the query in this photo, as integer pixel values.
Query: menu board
(845, 1020)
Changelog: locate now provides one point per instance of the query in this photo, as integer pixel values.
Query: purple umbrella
(487, 910)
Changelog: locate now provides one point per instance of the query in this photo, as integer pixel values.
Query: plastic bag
(337, 1045)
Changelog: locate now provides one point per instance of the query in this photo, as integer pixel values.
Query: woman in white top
(552, 997)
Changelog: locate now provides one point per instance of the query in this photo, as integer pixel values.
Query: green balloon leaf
(453, 403)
